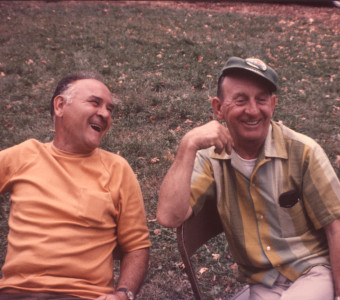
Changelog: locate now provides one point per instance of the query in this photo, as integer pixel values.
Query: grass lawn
(162, 62)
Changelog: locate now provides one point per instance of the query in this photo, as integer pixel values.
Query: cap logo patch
(256, 63)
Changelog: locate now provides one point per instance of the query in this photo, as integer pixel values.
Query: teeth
(96, 127)
(252, 123)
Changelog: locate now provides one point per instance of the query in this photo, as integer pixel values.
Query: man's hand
(208, 135)
(174, 196)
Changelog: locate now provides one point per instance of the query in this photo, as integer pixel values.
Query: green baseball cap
(254, 66)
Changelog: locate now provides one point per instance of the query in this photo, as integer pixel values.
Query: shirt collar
(274, 145)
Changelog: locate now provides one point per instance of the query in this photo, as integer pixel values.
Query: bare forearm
(133, 269)
(174, 207)
(174, 195)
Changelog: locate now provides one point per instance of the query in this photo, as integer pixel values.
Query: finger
(228, 141)
(228, 148)
(219, 146)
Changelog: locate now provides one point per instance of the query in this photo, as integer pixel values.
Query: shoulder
(30, 146)
(111, 157)
(291, 135)
(111, 160)
(20, 155)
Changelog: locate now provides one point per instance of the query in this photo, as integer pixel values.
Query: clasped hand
(211, 134)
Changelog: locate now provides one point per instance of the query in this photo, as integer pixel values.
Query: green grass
(162, 64)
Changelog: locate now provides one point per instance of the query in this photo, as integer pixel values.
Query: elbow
(170, 220)
(166, 221)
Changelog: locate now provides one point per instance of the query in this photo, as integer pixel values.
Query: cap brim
(269, 83)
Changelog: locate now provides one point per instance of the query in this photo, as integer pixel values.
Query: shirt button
(268, 248)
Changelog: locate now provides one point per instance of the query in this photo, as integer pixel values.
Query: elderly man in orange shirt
(72, 204)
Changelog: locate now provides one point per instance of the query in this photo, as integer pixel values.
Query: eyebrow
(240, 94)
(101, 100)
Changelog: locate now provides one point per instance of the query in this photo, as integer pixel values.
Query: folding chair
(195, 232)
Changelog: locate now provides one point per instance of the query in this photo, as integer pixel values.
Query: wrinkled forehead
(244, 80)
(92, 87)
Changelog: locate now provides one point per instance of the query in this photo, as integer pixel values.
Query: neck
(249, 151)
(70, 148)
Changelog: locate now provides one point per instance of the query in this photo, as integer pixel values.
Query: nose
(104, 112)
(251, 107)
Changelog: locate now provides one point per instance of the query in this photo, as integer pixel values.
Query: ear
(274, 100)
(216, 105)
(59, 103)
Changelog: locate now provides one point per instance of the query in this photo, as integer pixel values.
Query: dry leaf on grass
(154, 160)
(337, 161)
(215, 256)
(157, 231)
(202, 270)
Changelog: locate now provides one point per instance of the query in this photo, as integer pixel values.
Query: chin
(92, 145)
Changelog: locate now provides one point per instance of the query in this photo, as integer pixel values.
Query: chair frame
(195, 232)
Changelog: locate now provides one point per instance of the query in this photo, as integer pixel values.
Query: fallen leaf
(181, 265)
(157, 231)
(152, 220)
(169, 156)
(154, 160)
(215, 256)
(203, 270)
(337, 161)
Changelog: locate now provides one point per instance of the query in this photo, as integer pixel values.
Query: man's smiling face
(85, 118)
(247, 108)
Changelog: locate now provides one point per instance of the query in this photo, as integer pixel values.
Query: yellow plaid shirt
(273, 220)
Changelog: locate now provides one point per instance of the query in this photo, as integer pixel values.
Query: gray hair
(65, 85)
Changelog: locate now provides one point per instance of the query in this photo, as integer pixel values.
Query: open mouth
(96, 127)
(252, 123)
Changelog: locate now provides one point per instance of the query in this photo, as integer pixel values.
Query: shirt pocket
(95, 207)
(293, 218)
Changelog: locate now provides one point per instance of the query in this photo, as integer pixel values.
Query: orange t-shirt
(68, 212)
